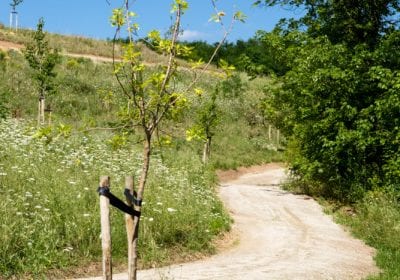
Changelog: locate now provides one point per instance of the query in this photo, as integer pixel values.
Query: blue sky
(90, 18)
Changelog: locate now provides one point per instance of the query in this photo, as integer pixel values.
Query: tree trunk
(142, 184)
(41, 110)
(206, 150)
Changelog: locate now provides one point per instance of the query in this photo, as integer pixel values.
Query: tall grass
(49, 211)
(48, 177)
(377, 221)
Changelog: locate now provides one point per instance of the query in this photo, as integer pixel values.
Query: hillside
(85, 140)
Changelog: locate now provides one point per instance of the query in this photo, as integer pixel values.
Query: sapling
(42, 59)
(152, 94)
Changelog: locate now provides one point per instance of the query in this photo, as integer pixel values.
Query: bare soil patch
(5, 46)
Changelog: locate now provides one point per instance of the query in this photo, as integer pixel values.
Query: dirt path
(5, 46)
(282, 236)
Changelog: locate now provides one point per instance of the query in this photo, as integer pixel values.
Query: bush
(340, 108)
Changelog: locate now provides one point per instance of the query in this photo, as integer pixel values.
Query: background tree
(205, 123)
(350, 22)
(42, 59)
(338, 102)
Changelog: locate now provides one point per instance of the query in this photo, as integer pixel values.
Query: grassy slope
(377, 221)
(48, 177)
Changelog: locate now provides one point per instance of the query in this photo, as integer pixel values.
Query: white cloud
(192, 35)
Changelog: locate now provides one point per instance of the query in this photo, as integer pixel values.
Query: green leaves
(226, 67)
(42, 59)
(117, 18)
(341, 108)
(240, 16)
(183, 5)
(217, 17)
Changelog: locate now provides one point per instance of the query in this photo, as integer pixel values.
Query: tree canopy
(338, 100)
(351, 22)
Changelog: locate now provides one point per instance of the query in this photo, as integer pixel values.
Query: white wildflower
(68, 249)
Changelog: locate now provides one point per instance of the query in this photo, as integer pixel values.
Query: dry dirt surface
(281, 236)
(5, 46)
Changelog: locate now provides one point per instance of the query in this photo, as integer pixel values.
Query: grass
(49, 211)
(48, 177)
(377, 221)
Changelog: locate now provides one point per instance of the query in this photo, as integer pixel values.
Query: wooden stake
(130, 228)
(269, 132)
(42, 111)
(38, 117)
(278, 137)
(105, 230)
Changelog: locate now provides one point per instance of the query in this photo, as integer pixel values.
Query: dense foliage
(339, 102)
(256, 56)
(352, 22)
(341, 109)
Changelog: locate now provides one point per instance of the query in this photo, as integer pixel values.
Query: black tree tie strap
(116, 202)
(132, 198)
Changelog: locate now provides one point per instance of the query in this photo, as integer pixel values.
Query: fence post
(105, 229)
(130, 228)
(269, 132)
(278, 137)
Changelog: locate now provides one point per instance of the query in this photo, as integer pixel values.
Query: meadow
(49, 174)
(50, 215)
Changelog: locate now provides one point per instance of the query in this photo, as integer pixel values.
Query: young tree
(42, 59)
(205, 123)
(152, 94)
(208, 114)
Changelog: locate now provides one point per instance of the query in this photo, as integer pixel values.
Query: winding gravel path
(282, 236)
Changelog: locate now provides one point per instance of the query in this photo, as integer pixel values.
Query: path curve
(282, 236)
